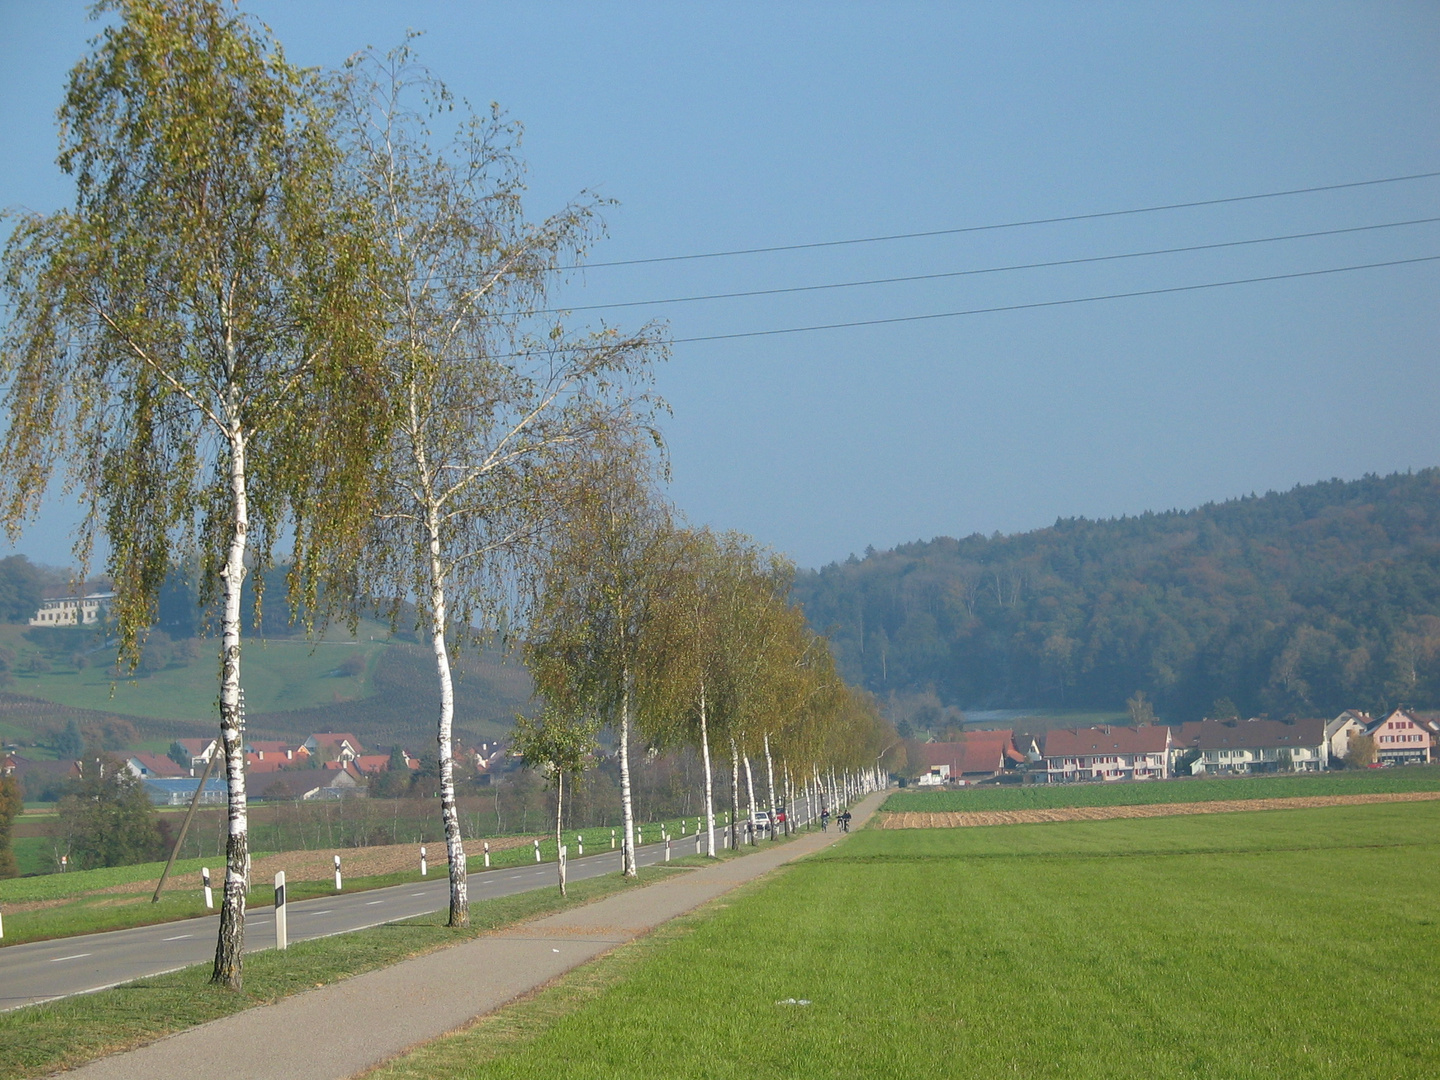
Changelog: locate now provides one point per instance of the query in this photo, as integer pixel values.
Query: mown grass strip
(62, 1034)
(1240, 962)
(1152, 792)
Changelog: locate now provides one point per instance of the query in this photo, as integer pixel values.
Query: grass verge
(1295, 943)
(1148, 793)
(63, 1034)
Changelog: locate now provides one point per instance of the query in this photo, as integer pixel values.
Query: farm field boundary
(961, 819)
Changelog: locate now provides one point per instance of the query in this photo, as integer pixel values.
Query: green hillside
(1306, 602)
(377, 686)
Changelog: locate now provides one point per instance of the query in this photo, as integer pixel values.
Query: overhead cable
(982, 270)
(1007, 224)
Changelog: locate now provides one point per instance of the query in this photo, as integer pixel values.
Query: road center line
(178, 937)
(77, 956)
(372, 903)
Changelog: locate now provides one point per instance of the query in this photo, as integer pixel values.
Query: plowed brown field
(966, 819)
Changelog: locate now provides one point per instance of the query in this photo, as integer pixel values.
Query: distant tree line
(1303, 602)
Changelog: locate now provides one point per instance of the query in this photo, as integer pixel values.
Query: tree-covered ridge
(1302, 602)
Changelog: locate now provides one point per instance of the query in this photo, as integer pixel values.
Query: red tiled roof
(1082, 742)
(368, 763)
(981, 752)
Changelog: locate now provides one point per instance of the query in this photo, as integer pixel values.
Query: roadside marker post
(612, 839)
(337, 873)
(487, 854)
(537, 850)
(209, 893)
(282, 934)
(580, 845)
(667, 849)
(640, 834)
(2, 926)
(422, 861)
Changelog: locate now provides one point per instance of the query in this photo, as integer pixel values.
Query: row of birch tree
(676, 637)
(302, 316)
(307, 309)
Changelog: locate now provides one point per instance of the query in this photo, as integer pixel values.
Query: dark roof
(1083, 742)
(1259, 734)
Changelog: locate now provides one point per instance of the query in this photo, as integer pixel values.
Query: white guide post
(487, 854)
(209, 893)
(337, 873)
(423, 867)
(579, 845)
(537, 850)
(282, 930)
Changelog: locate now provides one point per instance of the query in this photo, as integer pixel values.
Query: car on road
(760, 820)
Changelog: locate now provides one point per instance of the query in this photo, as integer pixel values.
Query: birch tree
(190, 337)
(599, 600)
(558, 743)
(496, 404)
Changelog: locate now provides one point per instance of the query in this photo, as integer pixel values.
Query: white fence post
(282, 934)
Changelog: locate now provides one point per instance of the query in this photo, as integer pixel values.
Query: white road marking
(327, 911)
(417, 894)
(77, 956)
(372, 903)
(178, 937)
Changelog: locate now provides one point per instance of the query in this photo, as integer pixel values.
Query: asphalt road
(45, 970)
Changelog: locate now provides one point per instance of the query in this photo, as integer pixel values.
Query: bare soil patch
(955, 819)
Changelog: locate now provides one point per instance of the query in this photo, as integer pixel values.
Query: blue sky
(750, 125)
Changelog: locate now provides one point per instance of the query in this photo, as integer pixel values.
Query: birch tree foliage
(189, 339)
(495, 402)
(560, 744)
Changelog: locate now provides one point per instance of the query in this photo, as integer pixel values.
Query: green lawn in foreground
(1141, 793)
(1277, 944)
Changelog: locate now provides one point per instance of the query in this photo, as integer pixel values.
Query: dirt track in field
(955, 819)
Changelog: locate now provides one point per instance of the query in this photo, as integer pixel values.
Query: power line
(1050, 303)
(1006, 224)
(983, 270)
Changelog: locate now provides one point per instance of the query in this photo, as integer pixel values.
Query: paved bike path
(349, 1026)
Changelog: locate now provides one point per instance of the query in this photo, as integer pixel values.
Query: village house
(1343, 728)
(333, 746)
(144, 766)
(1242, 747)
(199, 752)
(179, 790)
(979, 755)
(1402, 739)
(1106, 752)
(72, 610)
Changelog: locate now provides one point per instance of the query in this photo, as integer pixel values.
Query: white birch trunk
(770, 779)
(709, 781)
(444, 737)
(734, 796)
(559, 818)
(230, 945)
(750, 800)
(627, 809)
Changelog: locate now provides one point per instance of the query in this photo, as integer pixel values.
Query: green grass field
(1298, 943)
(1053, 796)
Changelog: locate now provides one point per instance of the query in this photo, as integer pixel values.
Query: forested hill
(1304, 602)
